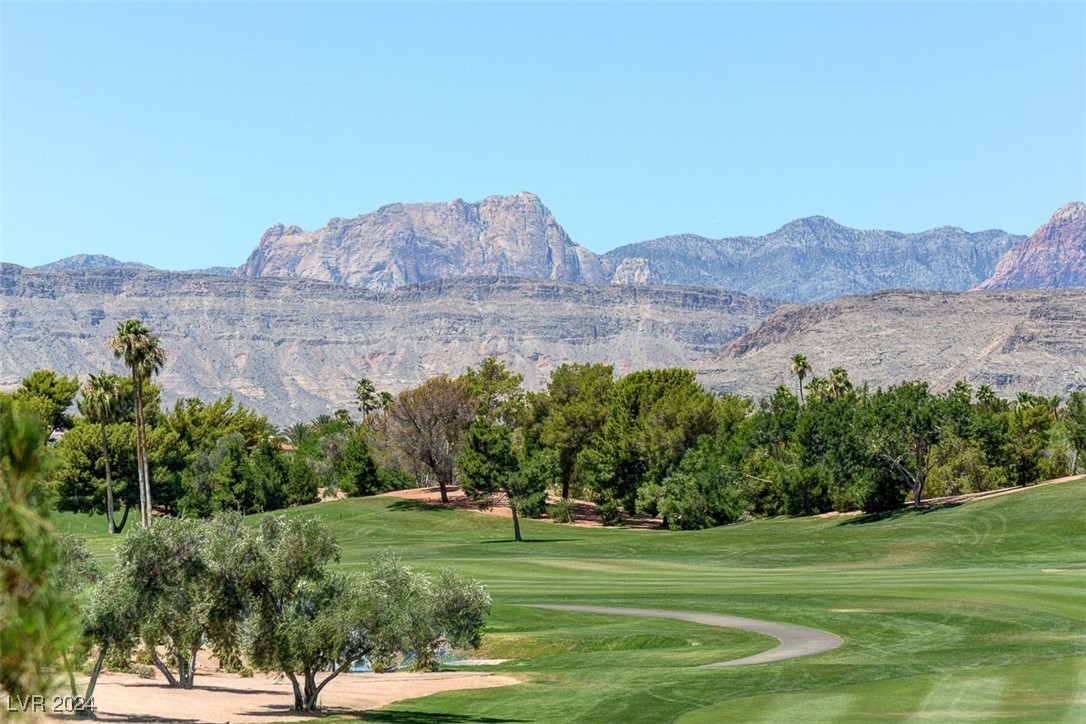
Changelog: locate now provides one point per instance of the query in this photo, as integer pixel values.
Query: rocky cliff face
(1054, 256)
(404, 244)
(293, 349)
(1013, 340)
(815, 259)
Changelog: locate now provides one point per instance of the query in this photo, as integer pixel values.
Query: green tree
(490, 468)
(904, 432)
(48, 395)
(496, 390)
(141, 352)
(78, 475)
(800, 368)
(101, 403)
(1029, 422)
(166, 568)
(654, 417)
(37, 616)
(302, 481)
(311, 624)
(358, 472)
(576, 414)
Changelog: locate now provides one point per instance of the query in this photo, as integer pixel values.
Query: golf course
(973, 611)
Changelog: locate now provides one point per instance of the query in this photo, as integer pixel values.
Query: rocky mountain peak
(1054, 256)
(401, 244)
(1074, 211)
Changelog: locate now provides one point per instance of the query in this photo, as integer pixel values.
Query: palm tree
(366, 393)
(101, 402)
(801, 368)
(839, 383)
(296, 434)
(139, 348)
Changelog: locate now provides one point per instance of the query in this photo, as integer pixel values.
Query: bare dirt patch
(220, 697)
(584, 511)
(967, 497)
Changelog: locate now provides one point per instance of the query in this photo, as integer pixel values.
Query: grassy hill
(969, 612)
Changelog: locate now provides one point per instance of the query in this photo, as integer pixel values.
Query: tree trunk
(188, 669)
(71, 675)
(444, 489)
(299, 703)
(310, 692)
(170, 678)
(89, 713)
(801, 392)
(140, 450)
(516, 521)
(148, 504)
(109, 482)
(336, 671)
(565, 487)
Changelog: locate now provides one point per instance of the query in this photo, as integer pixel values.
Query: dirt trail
(795, 641)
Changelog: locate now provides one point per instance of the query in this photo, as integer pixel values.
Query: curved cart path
(795, 641)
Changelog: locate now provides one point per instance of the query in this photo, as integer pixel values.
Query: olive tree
(311, 623)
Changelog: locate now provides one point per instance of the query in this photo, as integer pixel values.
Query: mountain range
(290, 331)
(809, 259)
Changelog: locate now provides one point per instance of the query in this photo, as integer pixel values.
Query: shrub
(562, 511)
(610, 512)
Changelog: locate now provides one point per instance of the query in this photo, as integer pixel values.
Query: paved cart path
(795, 641)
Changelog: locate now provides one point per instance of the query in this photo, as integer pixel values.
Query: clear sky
(175, 134)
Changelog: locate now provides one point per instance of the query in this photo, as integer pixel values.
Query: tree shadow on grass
(418, 505)
(897, 514)
(423, 717)
(510, 541)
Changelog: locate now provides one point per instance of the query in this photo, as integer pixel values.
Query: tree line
(652, 441)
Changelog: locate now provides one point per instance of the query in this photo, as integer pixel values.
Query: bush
(143, 671)
(562, 511)
(246, 672)
(610, 512)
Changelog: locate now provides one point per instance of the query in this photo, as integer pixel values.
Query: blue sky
(175, 134)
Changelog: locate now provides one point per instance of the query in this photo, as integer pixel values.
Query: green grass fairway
(973, 612)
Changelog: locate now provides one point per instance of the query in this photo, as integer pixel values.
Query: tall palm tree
(101, 402)
(801, 368)
(366, 394)
(139, 348)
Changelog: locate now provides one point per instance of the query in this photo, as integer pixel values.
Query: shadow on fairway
(526, 540)
(418, 505)
(419, 717)
(897, 514)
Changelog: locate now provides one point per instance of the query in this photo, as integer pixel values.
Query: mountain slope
(91, 261)
(404, 244)
(1054, 256)
(1013, 340)
(814, 259)
(294, 349)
